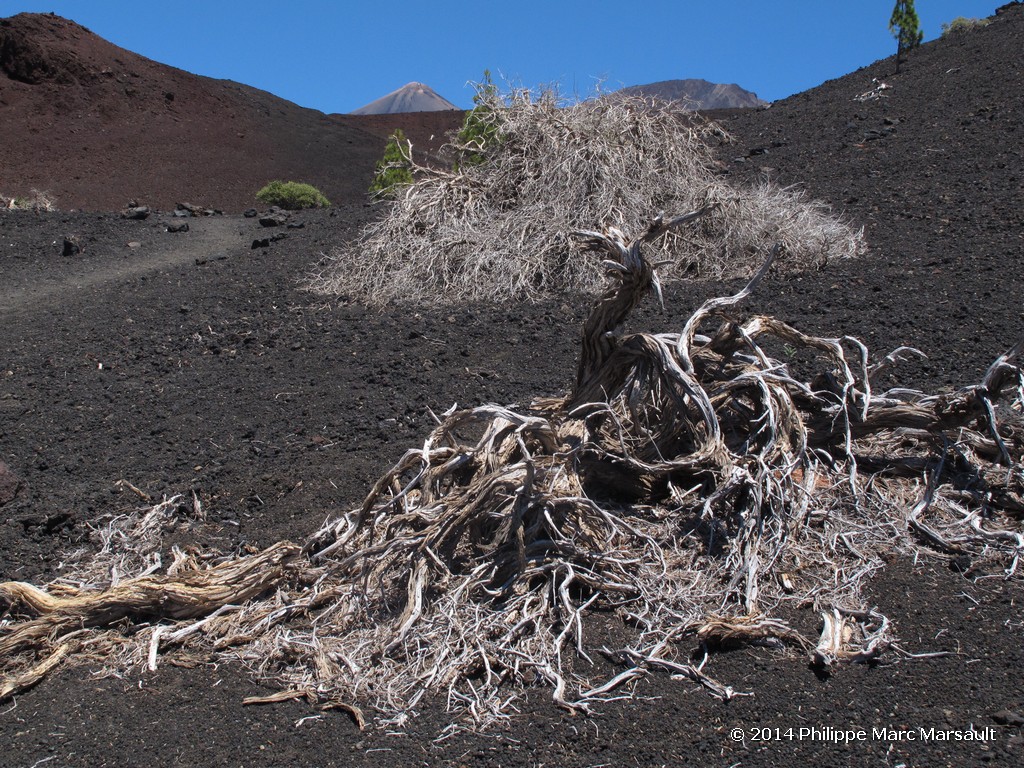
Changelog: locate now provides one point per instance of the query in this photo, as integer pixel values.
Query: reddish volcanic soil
(428, 131)
(95, 126)
(193, 362)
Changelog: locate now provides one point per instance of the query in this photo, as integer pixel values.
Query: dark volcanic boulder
(274, 219)
(136, 212)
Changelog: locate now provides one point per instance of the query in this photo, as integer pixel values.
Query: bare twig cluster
(690, 491)
(497, 229)
(34, 201)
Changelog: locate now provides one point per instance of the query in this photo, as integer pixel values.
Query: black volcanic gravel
(192, 362)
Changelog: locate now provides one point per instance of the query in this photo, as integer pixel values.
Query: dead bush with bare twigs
(34, 201)
(497, 227)
(688, 492)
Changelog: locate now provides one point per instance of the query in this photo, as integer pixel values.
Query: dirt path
(132, 250)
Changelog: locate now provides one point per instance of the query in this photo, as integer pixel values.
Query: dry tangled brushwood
(34, 201)
(498, 228)
(689, 491)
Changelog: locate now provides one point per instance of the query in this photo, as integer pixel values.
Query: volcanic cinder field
(156, 363)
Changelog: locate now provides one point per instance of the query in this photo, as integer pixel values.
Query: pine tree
(905, 27)
(394, 170)
(479, 132)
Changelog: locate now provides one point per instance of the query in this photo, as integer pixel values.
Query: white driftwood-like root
(688, 493)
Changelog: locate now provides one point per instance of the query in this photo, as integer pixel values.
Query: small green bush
(394, 170)
(292, 195)
(962, 24)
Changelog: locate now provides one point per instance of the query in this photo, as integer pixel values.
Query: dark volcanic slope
(193, 363)
(96, 125)
(934, 170)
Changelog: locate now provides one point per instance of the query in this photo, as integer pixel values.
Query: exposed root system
(690, 492)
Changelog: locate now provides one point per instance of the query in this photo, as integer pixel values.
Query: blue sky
(336, 56)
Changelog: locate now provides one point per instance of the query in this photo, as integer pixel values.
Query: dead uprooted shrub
(497, 227)
(961, 25)
(34, 201)
(688, 492)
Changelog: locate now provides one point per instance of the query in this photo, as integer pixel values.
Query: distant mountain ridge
(411, 97)
(697, 94)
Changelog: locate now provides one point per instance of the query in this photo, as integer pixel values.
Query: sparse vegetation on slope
(962, 24)
(499, 228)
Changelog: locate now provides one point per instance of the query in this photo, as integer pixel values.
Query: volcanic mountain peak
(411, 97)
(697, 94)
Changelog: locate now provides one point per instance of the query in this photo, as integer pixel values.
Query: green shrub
(394, 170)
(963, 24)
(292, 195)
